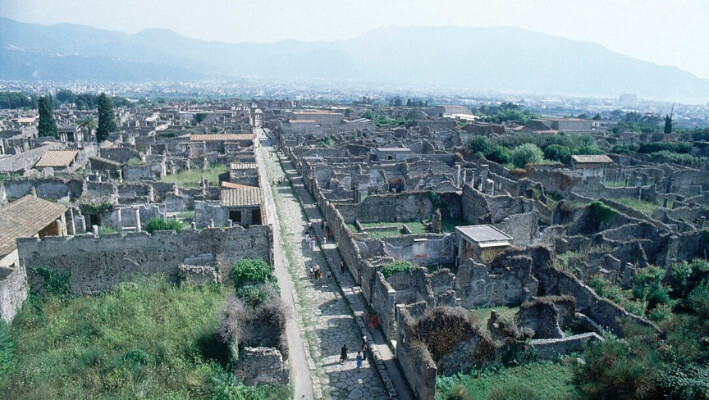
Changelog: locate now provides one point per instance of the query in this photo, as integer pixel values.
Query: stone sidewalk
(327, 319)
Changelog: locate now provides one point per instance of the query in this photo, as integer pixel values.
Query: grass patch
(547, 379)
(483, 314)
(639, 205)
(193, 177)
(152, 340)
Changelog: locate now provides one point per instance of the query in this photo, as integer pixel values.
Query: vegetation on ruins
(505, 112)
(397, 266)
(554, 147)
(54, 283)
(250, 271)
(600, 214)
(326, 142)
(149, 339)
(106, 118)
(519, 382)
(193, 177)
(47, 126)
(674, 365)
(96, 208)
(159, 224)
(528, 153)
(380, 117)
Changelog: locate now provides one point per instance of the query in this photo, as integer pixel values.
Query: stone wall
(523, 228)
(414, 358)
(603, 312)
(402, 207)
(261, 365)
(13, 291)
(549, 349)
(47, 188)
(475, 207)
(97, 264)
(508, 280)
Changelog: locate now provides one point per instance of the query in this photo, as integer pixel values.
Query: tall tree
(668, 124)
(47, 125)
(106, 118)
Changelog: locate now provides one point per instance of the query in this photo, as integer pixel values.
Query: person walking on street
(342, 267)
(343, 354)
(359, 360)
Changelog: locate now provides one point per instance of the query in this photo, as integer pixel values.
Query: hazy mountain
(499, 59)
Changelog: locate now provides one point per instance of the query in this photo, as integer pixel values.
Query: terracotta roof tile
(24, 218)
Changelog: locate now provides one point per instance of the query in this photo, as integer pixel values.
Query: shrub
(397, 266)
(159, 224)
(684, 276)
(253, 295)
(647, 285)
(55, 283)
(250, 270)
(619, 369)
(600, 213)
(525, 154)
(557, 152)
(678, 147)
(459, 392)
(479, 144)
(498, 154)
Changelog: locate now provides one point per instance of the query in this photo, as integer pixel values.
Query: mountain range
(478, 59)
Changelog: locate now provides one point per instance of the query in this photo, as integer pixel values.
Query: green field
(193, 177)
(541, 380)
(152, 340)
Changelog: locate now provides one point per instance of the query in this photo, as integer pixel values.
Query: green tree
(525, 154)
(479, 144)
(106, 118)
(668, 124)
(498, 154)
(47, 125)
(557, 152)
(88, 123)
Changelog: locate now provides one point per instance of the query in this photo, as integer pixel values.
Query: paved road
(326, 321)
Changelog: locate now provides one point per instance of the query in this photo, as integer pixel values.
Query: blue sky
(666, 32)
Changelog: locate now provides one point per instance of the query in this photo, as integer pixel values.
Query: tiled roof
(231, 185)
(241, 197)
(57, 158)
(24, 218)
(243, 166)
(225, 137)
(594, 159)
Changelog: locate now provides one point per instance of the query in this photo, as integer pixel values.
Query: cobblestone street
(327, 322)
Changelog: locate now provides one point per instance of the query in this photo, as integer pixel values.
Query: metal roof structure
(484, 235)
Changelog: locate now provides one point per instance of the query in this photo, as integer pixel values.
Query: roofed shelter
(27, 217)
(481, 242)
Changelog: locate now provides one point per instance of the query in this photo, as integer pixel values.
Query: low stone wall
(97, 264)
(549, 349)
(261, 365)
